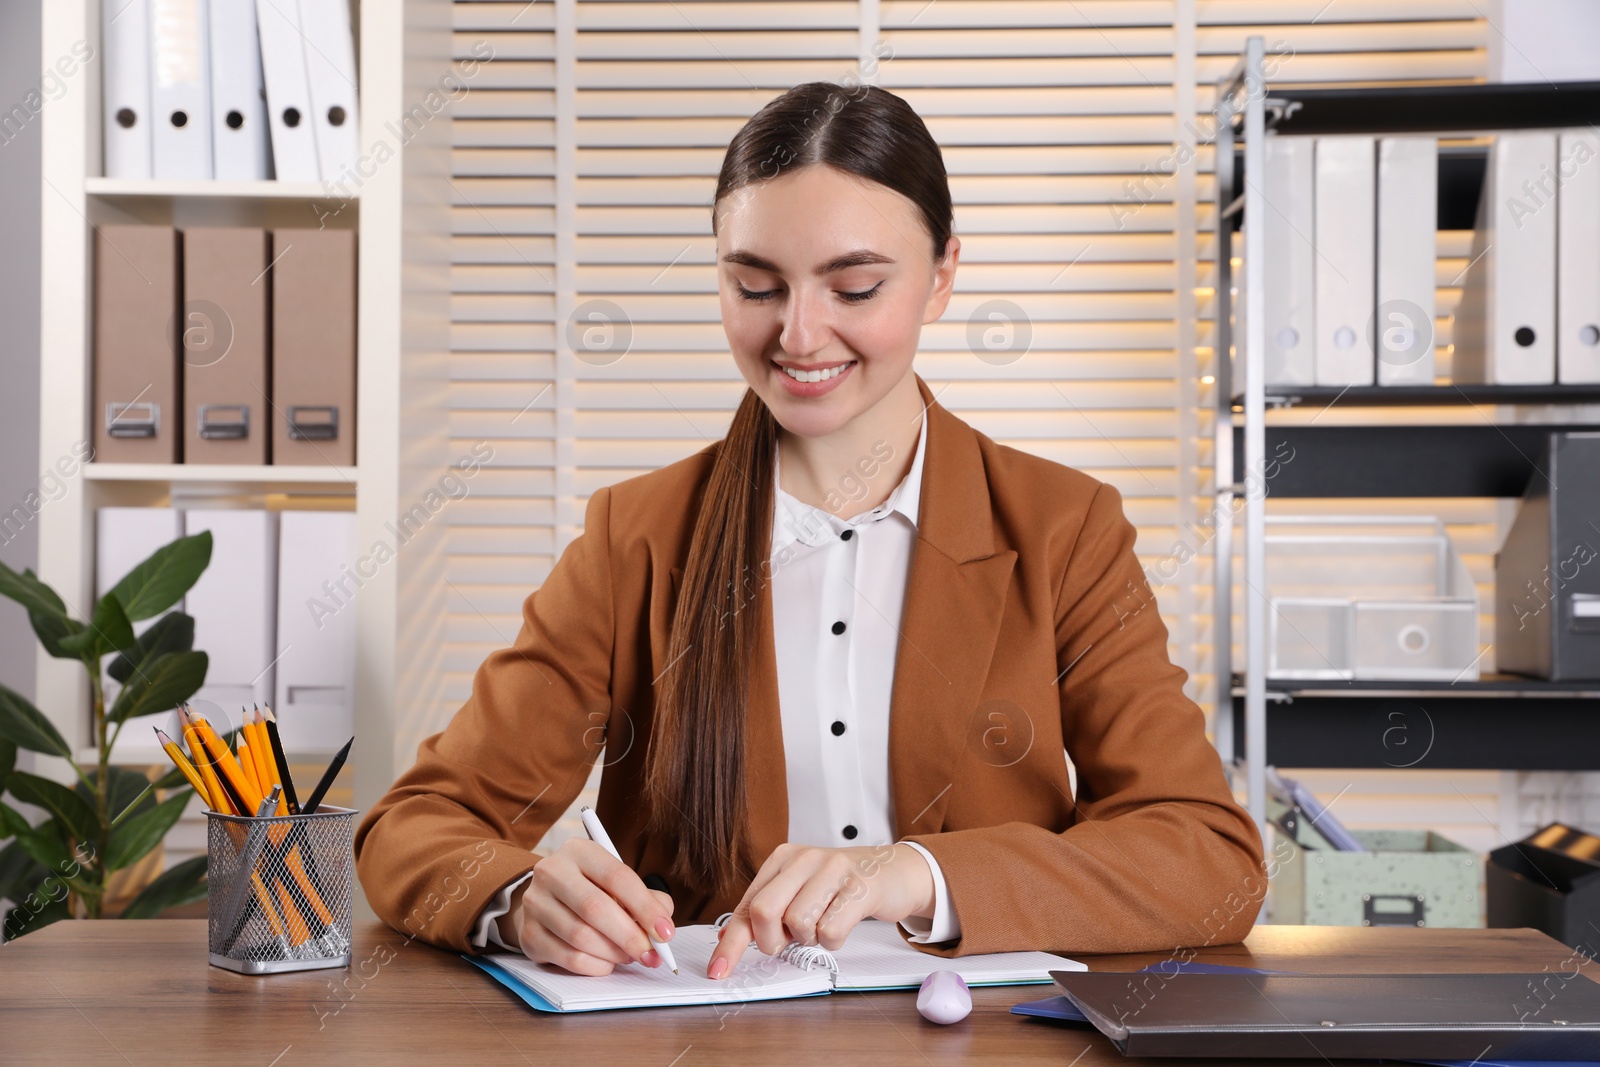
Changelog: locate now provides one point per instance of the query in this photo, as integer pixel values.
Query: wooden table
(141, 992)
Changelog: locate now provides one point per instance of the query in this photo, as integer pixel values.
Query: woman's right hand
(583, 910)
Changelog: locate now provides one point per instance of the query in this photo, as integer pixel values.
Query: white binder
(1345, 220)
(317, 589)
(283, 65)
(331, 72)
(1407, 231)
(239, 144)
(1506, 321)
(125, 87)
(1290, 267)
(1578, 259)
(124, 538)
(180, 90)
(234, 604)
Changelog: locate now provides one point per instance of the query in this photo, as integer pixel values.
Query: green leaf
(16, 868)
(70, 809)
(21, 920)
(26, 589)
(122, 786)
(132, 806)
(108, 630)
(42, 842)
(52, 630)
(174, 632)
(179, 885)
(25, 726)
(144, 831)
(166, 681)
(8, 763)
(160, 581)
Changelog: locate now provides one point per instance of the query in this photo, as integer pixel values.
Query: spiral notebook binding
(804, 957)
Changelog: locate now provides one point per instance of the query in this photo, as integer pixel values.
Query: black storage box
(1550, 881)
(1547, 574)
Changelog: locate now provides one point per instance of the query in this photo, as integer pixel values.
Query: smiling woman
(819, 706)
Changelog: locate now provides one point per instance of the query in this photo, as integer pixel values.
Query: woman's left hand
(817, 895)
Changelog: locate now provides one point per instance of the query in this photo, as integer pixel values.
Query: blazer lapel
(955, 596)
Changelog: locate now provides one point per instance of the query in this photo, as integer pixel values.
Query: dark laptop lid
(1549, 1015)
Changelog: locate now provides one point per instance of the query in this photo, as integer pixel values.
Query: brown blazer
(1029, 628)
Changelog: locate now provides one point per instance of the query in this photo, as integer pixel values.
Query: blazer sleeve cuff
(447, 912)
(488, 930)
(944, 926)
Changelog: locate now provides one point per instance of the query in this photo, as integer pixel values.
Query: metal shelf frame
(1314, 723)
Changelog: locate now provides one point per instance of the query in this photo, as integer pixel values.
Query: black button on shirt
(849, 833)
(846, 535)
(838, 728)
(838, 627)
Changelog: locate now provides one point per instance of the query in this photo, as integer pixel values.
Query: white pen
(597, 834)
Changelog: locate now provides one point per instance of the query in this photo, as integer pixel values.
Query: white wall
(19, 320)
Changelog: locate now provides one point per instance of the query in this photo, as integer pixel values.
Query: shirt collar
(794, 520)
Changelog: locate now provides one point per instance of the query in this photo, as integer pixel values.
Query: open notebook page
(632, 985)
(875, 956)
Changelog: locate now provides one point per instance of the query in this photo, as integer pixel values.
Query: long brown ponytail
(696, 762)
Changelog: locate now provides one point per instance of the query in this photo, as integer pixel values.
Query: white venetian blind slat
(1046, 112)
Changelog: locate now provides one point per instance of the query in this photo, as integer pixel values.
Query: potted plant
(111, 817)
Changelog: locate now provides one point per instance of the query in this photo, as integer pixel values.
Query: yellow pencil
(247, 764)
(299, 933)
(261, 750)
(227, 766)
(182, 763)
(216, 795)
(264, 898)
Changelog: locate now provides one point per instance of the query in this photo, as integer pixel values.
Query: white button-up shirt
(838, 586)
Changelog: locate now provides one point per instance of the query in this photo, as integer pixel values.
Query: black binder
(1553, 1015)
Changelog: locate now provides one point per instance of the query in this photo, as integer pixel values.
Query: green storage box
(1408, 878)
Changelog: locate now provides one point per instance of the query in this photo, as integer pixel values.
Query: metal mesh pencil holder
(279, 890)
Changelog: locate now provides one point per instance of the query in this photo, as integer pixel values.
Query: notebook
(874, 956)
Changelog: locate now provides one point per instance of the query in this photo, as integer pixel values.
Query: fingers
(815, 896)
(570, 896)
(769, 895)
(594, 908)
(667, 904)
(541, 946)
(640, 906)
(550, 915)
(840, 917)
(759, 915)
(789, 906)
(734, 939)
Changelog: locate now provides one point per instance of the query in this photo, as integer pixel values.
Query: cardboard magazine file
(314, 347)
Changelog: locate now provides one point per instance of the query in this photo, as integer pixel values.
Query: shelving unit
(265, 190)
(401, 215)
(215, 474)
(1499, 721)
(1460, 725)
